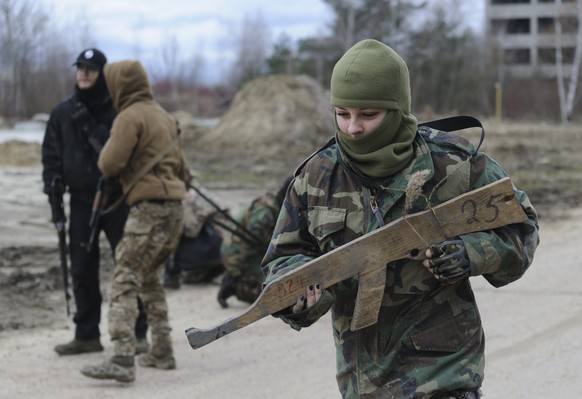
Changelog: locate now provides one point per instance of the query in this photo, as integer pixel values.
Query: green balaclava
(372, 75)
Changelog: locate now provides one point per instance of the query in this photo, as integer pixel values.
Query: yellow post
(498, 97)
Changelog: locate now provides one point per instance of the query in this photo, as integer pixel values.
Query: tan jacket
(141, 130)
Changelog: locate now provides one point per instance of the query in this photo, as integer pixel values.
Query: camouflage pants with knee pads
(151, 234)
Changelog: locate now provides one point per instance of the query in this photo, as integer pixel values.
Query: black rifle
(97, 210)
(59, 220)
(242, 232)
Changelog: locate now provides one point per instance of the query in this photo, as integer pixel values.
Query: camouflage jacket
(428, 338)
(242, 258)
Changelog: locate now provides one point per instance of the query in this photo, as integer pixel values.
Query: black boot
(77, 346)
(227, 289)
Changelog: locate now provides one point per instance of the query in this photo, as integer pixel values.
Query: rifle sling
(456, 123)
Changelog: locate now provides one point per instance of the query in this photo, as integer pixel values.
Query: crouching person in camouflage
(243, 250)
(144, 151)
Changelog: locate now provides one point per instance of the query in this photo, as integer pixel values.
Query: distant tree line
(453, 68)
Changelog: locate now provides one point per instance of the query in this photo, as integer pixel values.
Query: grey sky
(132, 28)
(140, 28)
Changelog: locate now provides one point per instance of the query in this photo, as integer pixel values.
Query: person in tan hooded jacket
(142, 131)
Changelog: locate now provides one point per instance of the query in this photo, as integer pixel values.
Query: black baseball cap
(91, 58)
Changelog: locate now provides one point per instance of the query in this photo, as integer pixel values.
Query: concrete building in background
(525, 31)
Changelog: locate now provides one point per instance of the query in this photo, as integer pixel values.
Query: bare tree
(575, 71)
(350, 21)
(23, 24)
(54, 75)
(446, 62)
(192, 80)
(567, 98)
(282, 57)
(383, 20)
(36, 56)
(560, 66)
(171, 68)
(253, 44)
(175, 77)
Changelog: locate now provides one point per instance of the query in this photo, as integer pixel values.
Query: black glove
(54, 187)
(450, 262)
(55, 198)
(307, 316)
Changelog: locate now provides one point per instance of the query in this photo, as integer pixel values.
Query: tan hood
(127, 82)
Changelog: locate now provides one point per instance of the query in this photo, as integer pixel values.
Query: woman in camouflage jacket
(428, 341)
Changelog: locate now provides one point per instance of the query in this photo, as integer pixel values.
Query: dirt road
(533, 328)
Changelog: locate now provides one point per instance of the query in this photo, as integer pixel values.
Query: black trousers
(85, 267)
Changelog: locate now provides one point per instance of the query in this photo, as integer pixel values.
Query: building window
(548, 55)
(518, 26)
(498, 25)
(517, 56)
(546, 26)
(510, 26)
(569, 24)
(496, 2)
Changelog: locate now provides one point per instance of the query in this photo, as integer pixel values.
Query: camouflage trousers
(248, 288)
(244, 267)
(151, 234)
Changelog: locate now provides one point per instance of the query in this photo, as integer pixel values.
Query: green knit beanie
(371, 75)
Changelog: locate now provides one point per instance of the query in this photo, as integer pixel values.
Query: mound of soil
(19, 153)
(273, 123)
(541, 159)
(274, 114)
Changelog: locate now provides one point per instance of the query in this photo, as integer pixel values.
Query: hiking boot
(203, 275)
(164, 363)
(77, 346)
(227, 289)
(110, 370)
(172, 281)
(142, 346)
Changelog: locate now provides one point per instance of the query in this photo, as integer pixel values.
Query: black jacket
(73, 139)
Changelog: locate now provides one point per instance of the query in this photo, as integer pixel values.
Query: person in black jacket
(76, 132)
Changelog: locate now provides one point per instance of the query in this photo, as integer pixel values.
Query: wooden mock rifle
(485, 208)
